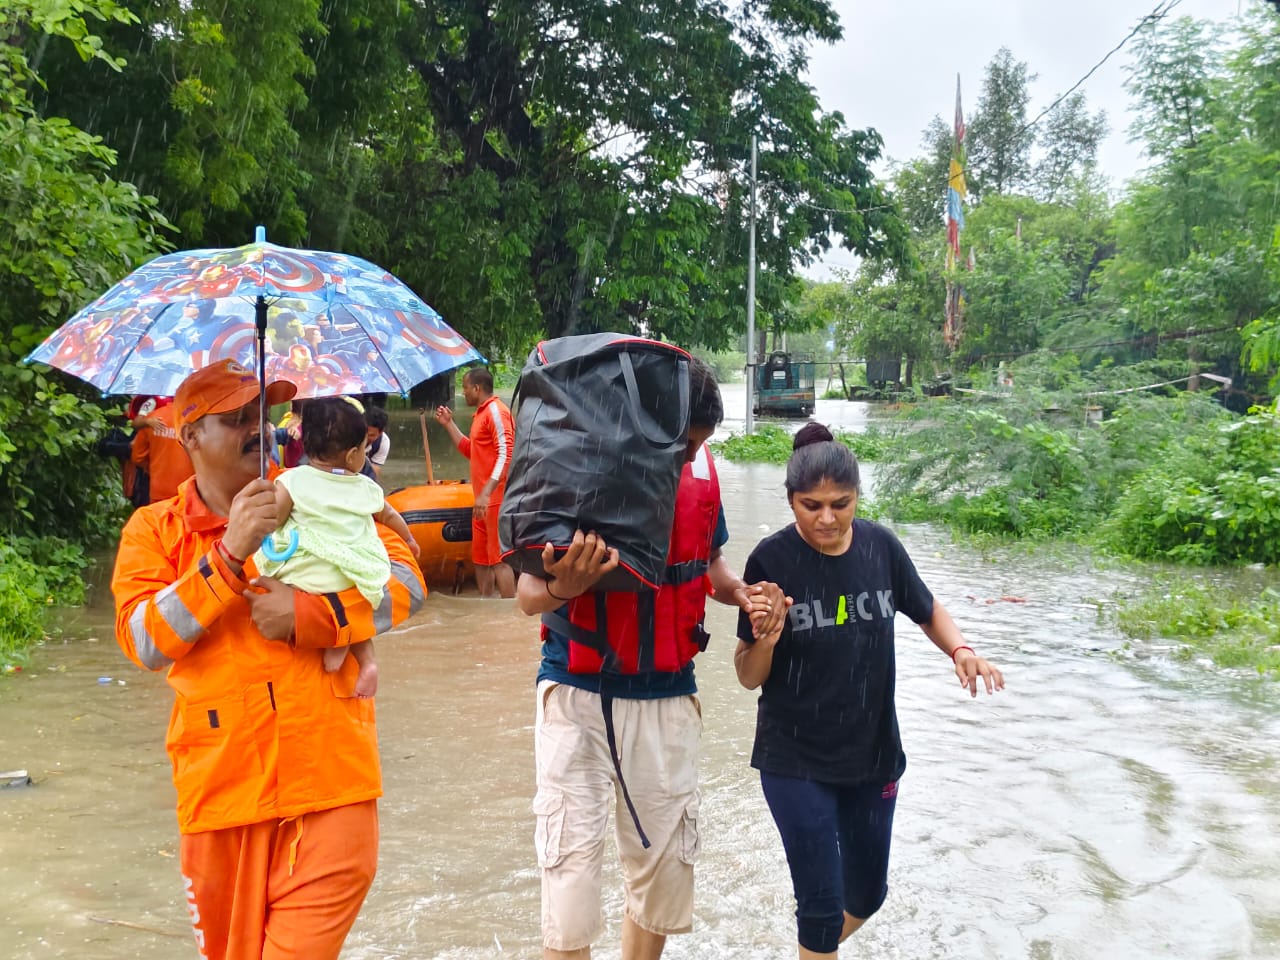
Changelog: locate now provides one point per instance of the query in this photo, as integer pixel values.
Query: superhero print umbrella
(330, 323)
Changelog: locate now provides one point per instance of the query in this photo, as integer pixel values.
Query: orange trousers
(281, 889)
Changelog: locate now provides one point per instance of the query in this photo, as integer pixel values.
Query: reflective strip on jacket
(258, 729)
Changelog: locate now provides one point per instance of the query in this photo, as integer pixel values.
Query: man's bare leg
(638, 943)
(549, 954)
(484, 580)
(505, 577)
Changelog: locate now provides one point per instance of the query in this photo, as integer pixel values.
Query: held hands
(766, 606)
(970, 666)
(252, 518)
(587, 560)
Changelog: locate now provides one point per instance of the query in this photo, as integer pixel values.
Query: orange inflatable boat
(439, 517)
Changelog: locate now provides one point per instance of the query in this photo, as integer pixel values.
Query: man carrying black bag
(617, 710)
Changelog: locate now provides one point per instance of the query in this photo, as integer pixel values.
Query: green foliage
(1069, 144)
(772, 444)
(1195, 236)
(1210, 498)
(1027, 465)
(35, 574)
(527, 186)
(999, 150)
(728, 365)
(1013, 293)
(69, 231)
(46, 442)
(769, 444)
(1231, 627)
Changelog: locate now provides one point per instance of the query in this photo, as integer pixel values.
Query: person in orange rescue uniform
(158, 451)
(489, 450)
(275, 761)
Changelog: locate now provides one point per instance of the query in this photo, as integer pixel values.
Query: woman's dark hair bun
(810, 433)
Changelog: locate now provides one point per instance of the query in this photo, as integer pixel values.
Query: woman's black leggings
(837, 842)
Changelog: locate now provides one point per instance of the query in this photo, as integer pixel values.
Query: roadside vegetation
(1233, 627)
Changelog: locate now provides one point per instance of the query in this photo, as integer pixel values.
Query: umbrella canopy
(335, 324)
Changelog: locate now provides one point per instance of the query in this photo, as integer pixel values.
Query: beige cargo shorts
(657, 744)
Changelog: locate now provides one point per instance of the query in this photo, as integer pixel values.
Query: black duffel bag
(601, 424)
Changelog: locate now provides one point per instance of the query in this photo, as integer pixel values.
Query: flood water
(1105, 805)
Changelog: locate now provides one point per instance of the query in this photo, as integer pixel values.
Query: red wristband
(958, 649)
(222, 548)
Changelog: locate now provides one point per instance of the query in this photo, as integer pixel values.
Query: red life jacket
(653, 630)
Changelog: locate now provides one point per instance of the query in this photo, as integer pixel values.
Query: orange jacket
(489, 446)
(158, 451)
(258, 729)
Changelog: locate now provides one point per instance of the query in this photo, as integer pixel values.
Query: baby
(333, 508)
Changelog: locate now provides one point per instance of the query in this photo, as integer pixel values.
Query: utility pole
(751, 298)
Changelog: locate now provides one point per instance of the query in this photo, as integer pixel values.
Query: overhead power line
(1159, 13)
(1161, 10)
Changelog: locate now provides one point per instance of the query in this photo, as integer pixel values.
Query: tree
(1013, 295)
(893, 312)
(612, 144)
(530, 169)
(1195, 236)
(919, 185)
(69, 230)
(1068, 144)
(999, 140)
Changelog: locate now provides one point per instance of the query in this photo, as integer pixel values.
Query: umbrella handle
(280, 556)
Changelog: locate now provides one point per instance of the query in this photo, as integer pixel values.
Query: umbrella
(330, 323)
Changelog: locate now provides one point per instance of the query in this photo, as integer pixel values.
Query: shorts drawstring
(297, 838)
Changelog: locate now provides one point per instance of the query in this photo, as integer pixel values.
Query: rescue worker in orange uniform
(275, 761)
(488, 448)
(158, 451)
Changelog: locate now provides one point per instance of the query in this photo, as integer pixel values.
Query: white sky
(896, 66)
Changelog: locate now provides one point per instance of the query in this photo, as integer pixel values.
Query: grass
(1233, 626)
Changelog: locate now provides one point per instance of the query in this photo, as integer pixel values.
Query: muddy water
(1103, 806)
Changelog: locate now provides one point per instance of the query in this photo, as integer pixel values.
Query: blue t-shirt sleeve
(721, 536)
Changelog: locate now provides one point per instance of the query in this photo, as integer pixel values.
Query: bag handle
(633, 390)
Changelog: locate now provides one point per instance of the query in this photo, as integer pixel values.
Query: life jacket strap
(677, 573)
(606, 705)
(596, 640)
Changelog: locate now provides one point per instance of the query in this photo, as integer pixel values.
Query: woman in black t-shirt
(827, 744)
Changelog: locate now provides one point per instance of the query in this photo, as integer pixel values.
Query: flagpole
(956, 192)
(751, 298)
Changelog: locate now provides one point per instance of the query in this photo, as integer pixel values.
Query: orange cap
(222, 387)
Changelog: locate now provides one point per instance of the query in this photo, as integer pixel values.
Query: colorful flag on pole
(957, 191)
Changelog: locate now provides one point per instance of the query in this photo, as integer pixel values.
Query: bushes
(1213, 498)
(1165, 477)
(772, 444)
(35, 574)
